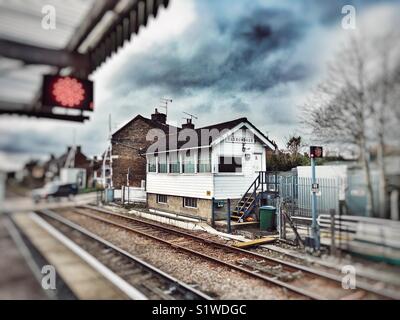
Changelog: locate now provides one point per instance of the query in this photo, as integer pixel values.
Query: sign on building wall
(237, 139)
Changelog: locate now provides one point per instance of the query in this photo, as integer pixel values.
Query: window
(162, 199)
(188, 162)
(174, 164)
(204, 165)
(162, 163)
(230, 164)
(190, 202)
(152, 166)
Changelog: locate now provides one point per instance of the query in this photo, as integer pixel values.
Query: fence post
(283, 226)
(213, 212)
(333, 235)
(229, 216)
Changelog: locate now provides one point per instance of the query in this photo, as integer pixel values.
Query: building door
(258, 162)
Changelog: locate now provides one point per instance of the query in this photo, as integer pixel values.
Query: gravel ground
(217, 281)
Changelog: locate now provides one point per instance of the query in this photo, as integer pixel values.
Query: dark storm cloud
(239, 106)
(237, 62)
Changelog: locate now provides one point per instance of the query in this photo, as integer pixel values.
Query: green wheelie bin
(267, 218)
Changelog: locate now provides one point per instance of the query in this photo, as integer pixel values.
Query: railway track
(306, 282)
(153, 283)
(369, 282)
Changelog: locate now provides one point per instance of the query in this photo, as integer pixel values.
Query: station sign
(67, 92)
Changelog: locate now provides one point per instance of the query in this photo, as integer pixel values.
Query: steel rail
(292, 288)
(182, 287)
(363, 286)
(384, 293)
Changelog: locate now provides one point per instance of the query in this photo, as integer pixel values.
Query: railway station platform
(77, 278)
(17, 280)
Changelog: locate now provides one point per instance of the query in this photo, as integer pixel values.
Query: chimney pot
(188, 125)
(159, 117)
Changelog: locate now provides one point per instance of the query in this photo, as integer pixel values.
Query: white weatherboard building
(184, 176)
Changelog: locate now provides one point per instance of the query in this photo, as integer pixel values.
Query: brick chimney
(188, 125)
(159, 117)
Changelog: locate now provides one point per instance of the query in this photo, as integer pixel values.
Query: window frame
(162, 163)
(202, 162)
(152, 163)
(159, 196)
(234, 164)
(195, 200)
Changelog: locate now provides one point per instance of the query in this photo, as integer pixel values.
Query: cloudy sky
(219, 60)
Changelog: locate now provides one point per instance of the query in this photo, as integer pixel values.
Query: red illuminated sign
(67, 92)
(316, 152)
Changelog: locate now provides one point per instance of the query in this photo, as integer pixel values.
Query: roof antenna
(191, 116)
(164, 105)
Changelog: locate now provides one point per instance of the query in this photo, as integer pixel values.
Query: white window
(204, 165)
(161, 198)
(162, 163)
(152, 164)
(174, 164)
(188, 162)
(190, 203)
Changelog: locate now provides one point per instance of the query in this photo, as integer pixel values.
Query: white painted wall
(134, 194)
(181, 185)
(70, 175)
(218, 185)
(234, 185)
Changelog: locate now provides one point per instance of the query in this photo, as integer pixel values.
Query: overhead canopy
(87, 33)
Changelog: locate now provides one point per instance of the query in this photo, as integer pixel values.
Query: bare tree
(338, 112)
(358, 102)
(384, 95)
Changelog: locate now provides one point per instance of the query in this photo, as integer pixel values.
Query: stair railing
(260, 180)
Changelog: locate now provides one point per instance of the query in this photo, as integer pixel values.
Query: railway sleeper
(276, 271)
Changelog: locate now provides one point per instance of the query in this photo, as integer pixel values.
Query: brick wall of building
(133, 135)
(175, 205)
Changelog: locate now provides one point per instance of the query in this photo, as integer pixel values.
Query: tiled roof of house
(195, 139)
(152, 123)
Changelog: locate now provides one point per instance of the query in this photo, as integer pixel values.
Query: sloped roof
(215, 130)
(155, 124)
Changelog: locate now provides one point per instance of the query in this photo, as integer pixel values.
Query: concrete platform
(17, 281)
(83, 280)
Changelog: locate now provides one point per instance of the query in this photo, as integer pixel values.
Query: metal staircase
(251, 199)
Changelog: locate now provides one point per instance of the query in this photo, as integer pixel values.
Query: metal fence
(297, 192)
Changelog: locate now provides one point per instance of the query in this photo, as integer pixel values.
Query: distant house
(75, 167)
(33, 174)
(129, 144)
(219, 161)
